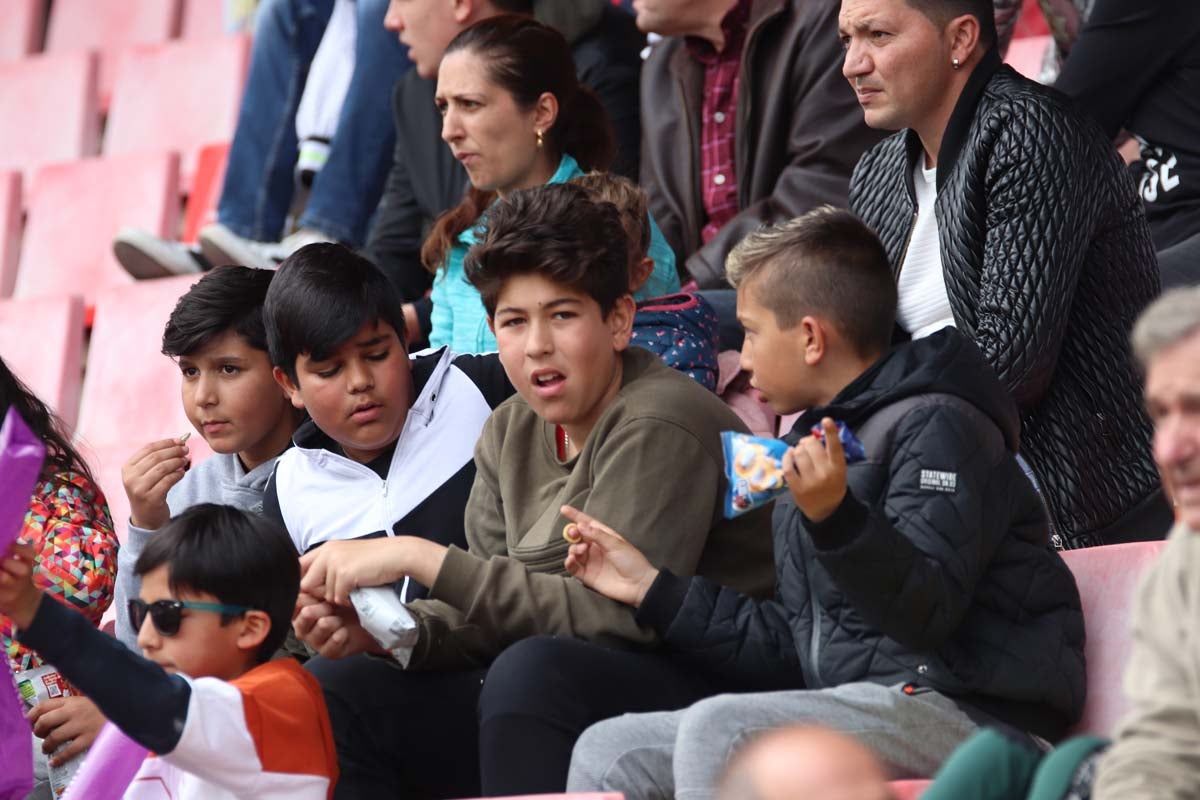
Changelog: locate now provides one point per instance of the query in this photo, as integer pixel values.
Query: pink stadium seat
(76, 208)
(1025, 55)
(21, 33)
(206, 191)
(1107, 578)
(131, 392)
(41, 339)
(36, 131)
(908, 790)
(10, 229)
(202, 19)
(107, 27)
(180, 96)
(1032, 21)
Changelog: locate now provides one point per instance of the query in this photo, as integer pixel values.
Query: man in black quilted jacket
(917, 598)
(1010, 216)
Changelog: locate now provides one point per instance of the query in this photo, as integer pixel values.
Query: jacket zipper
(912, 226)
(814, 644)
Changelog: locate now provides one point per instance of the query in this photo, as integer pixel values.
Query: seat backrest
(179, 96)
(75, 210)
(1108, 578)
(206, 190)
(41, 340)
(36, 131)
(21, 33)
(202, 19)
(108, 27)
(131, 392)
(11, 221)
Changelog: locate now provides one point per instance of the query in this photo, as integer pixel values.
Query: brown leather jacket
(800, 130)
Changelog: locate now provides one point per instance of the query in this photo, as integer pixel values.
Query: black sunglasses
(167, 615)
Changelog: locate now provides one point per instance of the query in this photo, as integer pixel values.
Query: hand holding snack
(756, 467)
(71, 723)
(149, 475)
(601, 559)
(335, 569)
(333, 631)
(816, 472)
(19, 597)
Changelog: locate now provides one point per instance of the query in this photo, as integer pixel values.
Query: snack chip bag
(754, 466)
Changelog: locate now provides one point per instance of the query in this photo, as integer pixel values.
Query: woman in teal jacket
(516, 116)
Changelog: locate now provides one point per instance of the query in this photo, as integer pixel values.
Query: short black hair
(942, 11)
(226, 299)
(321, 296)
(240, 558)
(828, 263)
(556, 231)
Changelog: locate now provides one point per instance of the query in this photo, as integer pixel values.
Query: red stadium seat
(1107, 578)
(108, 27)
(206, 191)
(41, 339)
(37, 131)
(180, 96)
(76, 208)
(1025, 55)
(131, 392)
(10, 230)
(21, 33)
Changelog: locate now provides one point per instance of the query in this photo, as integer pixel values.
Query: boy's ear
(640, 273)
(289, 387)
(256, 626)
(620, 322)
(814, 340)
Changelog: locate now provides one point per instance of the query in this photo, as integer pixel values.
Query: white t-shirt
(923, 305)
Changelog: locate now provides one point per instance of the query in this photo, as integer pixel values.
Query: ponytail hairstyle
(527, 59)
(45, 424)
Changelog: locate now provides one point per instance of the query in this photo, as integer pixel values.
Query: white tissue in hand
(384, 617)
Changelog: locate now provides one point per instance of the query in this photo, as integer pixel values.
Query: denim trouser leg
(259, 176)
(347, 189)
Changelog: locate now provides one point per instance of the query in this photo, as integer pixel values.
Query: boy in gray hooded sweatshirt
(216, 336)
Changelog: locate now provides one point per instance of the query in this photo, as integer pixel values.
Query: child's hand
(148, 476)
(816, 474)
(75, 721)
(605, 562)
(19, 598)
(333, 631)
(335, 569)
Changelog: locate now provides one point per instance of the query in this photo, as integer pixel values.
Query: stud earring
(541, 139)
(957, 64)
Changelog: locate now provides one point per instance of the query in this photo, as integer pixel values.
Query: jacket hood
(946, 362)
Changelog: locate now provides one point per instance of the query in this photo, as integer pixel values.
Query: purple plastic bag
(21, 457)
(109, 767)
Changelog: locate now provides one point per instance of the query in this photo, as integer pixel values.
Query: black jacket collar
(960, 120)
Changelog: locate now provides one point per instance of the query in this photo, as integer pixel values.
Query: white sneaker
(222, 246)
(144, 255)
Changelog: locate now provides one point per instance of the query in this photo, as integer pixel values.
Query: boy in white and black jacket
(389, 449)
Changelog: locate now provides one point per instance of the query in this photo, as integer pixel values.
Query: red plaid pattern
(718, 176)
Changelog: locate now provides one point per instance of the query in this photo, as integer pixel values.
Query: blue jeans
(259, 178)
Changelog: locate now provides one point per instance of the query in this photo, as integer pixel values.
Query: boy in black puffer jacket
(917, 597)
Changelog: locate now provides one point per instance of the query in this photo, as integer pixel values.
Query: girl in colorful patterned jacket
(71, 530)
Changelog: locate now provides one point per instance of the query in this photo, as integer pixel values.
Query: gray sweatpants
(683, 753)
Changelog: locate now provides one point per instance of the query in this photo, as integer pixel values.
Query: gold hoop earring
(541, 140)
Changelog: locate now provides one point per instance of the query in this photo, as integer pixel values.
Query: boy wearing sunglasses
(218, 589)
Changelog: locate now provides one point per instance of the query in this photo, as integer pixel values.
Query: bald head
(803, 763)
